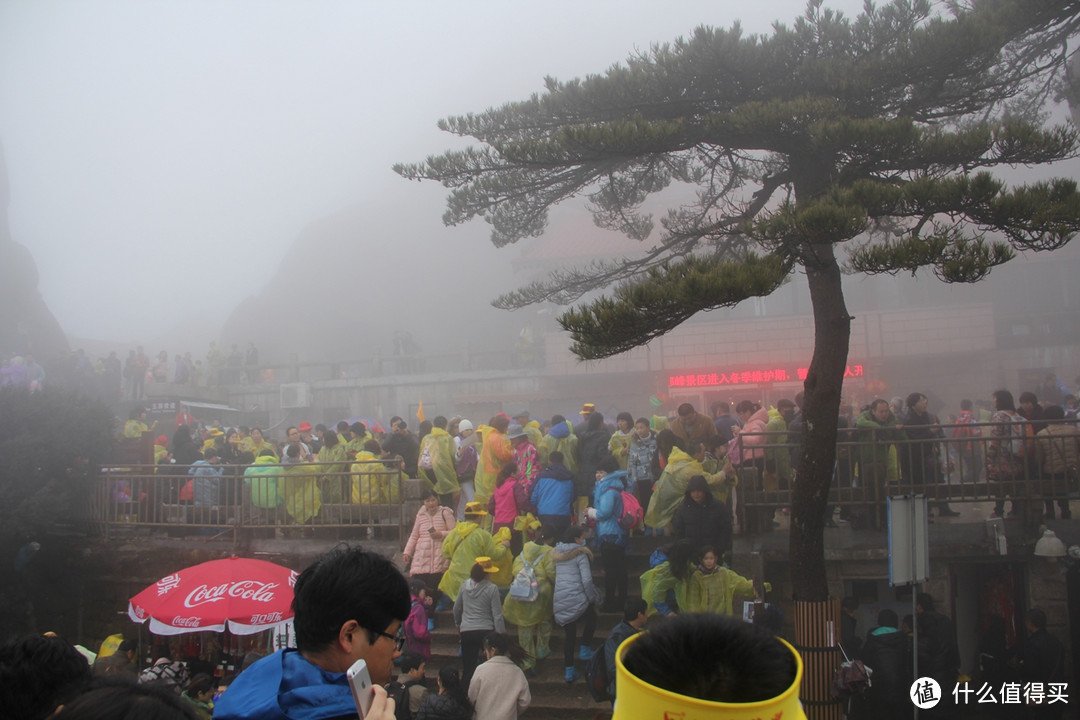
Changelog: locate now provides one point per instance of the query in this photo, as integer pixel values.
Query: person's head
(666, 440)
(481, 569)
(305, 431)
(425, 428)
(373, 447)
(358, 429)
(641, 427)
(574, 534)
(624, 421)
(1070, 402)
(418, 588)
(924, 602)
(430, 498)
(608, 464)
(496, 643)
(291, 450)
(506, 472)
(880, 410)
(722, 409)
(343, 428)
(917, 402)
(128, 647)
(149, 701)
(635, 612)
(546, 535)
(687, 414)
(1054, 413)
(709, 557)
(966, 405)
(745, 409)
(232, 437)
(349, 604)
(1003, 400)
(557, 419)
(697, 489)
(713, 658)
(888, 618)
(398, 426)
(465, 429)
(681, 555)
(1035, 620)
(521, 417)
(256, 435)
(439, 422)
(595, 422)
(907, 624)
(450, 684)
(38, 674)
(516, 434)
(786, 408)
(412, 663)
(555, 458)
(293, 434)
(330, 439)
(500, 423)
(201, 688)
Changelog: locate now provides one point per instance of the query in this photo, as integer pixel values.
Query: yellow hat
(637, 698)
(216, 432)
(486, 563)
(475, 508)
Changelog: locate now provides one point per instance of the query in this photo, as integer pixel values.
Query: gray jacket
(574, 589)
(479, 607)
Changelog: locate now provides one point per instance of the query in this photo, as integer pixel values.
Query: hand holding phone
(360, 683)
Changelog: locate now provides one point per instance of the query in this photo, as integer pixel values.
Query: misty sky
(177, 149)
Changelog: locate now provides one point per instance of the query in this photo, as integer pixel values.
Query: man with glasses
(293, 433)
(349, 605)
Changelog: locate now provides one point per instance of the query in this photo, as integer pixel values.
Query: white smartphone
(363, 691)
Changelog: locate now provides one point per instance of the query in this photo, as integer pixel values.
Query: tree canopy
(829, 145)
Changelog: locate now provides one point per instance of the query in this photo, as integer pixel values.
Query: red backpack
(631, 515)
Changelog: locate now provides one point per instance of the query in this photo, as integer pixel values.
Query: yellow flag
(420, 412)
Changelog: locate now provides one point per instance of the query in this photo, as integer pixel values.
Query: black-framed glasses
(399, 640)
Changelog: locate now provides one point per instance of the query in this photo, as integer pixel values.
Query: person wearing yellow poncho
(161, 448)
(494, 453)
(560, 437)
(468, 541)
(136, 425)
(666, 586)
(299, 488)
(258, 444)
(334, 463)
(619, 444)
(436, 462)
(670, 489)
(213, 440)
(372, 482)
(533, 619)
(360, 436)
(713, 587)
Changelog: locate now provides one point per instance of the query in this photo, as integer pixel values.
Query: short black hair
(572, 533)
(146, 701)
(37, 674)
(347, 583)
(850, 603)
(925, 601)
(1037, 618)
(411, 661)
(439, 422)
(712, 657)
(608, 464)
(888, 618)
(126, 645)
(634, 607)
(555, 457)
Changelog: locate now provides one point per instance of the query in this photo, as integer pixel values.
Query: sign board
(909, 540)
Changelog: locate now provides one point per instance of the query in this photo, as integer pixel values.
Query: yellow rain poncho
(532, 613)
(656, 582)
(494, 453)
(566, 445)
(135, 428)
(468, 541)
(300, 491)
(372, 484)
(333, 464)
(264, 445)
(670, 489)
(438, 446)
(356, 446)
(619, 447)
(713, 591)
(532, 431)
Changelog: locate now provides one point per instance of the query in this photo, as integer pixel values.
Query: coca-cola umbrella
(245, 595)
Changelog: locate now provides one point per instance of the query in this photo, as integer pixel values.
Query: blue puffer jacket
(607, 500)
(285, 685)
(553, 493)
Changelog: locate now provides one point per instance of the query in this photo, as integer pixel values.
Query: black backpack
(596, 675)
(400, 693)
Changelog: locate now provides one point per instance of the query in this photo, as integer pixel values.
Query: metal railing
(271, 500)
(983, 462)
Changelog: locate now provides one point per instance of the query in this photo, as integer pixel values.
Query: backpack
(596, 675)
(400, 693)
(631, 515)
(426, 460)
(524, 588)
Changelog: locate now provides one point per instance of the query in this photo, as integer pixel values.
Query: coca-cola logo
(191, 622)
(140, 612)
(243, 589)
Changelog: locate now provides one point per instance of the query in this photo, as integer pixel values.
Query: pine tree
(864, 145)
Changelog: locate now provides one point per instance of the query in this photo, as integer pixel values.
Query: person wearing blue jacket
(607, 499)
(553, 494)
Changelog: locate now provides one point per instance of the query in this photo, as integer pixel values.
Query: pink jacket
(425, 548)
(758, 423)
(505, 504)
(417, 636)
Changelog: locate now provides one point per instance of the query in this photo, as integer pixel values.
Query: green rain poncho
(656, 582)
(713, 591)
(876, 453)
(466, 542)
(439, 446)
(300, 491)
(670, 489)
(532, 613)
(263, 478)
(566, 445)
(371, 483)
(334, 464)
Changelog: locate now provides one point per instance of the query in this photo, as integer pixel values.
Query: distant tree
(826, 146)
(51, 445)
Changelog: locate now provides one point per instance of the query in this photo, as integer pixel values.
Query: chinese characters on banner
(749, 377)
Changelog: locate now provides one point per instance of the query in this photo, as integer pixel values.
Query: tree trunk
(821, 410)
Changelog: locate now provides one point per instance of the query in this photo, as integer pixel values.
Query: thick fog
(191, 171)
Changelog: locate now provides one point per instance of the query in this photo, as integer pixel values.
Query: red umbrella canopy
(247, 595)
